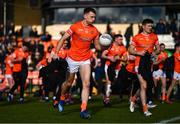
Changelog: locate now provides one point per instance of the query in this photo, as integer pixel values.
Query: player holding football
(113, 58)
(82, 34)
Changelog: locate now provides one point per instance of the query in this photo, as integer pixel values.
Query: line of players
(125, 65)
(147, 63)
(121, 65)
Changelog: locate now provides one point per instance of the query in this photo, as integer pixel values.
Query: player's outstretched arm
(59, 45)
(61, 41)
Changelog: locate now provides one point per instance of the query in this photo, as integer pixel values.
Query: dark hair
(89, 9)
(117, 35)
(162, 44)
(146, 21)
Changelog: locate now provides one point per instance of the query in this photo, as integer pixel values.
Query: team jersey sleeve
(133, 42)
(156, 40)
(72, 29)
(166, 54)
(124, 50)
(15, 54)
(176, 56)
(96, 37)
(43, 62)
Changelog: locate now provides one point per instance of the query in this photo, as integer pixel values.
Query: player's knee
(144, 86)
(164, 85)
(68, 84)
(86, 85)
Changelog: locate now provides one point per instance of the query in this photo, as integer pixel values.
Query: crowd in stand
(165, 27)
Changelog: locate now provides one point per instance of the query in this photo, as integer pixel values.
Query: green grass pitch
(36, 111)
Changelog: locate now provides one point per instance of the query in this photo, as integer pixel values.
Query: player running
(142, 46)
(82, 34)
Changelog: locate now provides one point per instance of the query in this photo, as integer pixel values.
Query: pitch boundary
(170, 120)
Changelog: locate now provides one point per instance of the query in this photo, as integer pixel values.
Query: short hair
(117, 35)
(89, 9)
(147, 21)
(162, 44)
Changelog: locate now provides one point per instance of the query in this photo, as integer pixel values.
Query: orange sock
(145, 108)
(83, 106)
(167, 98)
(62, 98)
(163, 96)
(55, 102)
(133, 98)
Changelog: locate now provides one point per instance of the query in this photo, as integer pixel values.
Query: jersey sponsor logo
(85, 38)
(80, 30)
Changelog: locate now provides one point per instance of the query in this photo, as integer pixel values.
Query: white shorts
(136, 69)
(176, 76)
(159, 74)
(74, 65)
(106, 68)
(8, 76)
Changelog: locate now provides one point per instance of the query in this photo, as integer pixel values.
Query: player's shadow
(93, 108)
(69, 111)
(16, 102)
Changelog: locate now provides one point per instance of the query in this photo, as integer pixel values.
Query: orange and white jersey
(54, 42)
(177, 62)
(47, 57)
(130, 67)
(81, 38)
(62, 52)
(9, 64)
(46, 45)
(176, 75)
(17, 55)
(42, 63)
(143, 42)
(161, 56)
(115, 50)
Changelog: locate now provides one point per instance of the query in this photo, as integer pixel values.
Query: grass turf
(36, 111)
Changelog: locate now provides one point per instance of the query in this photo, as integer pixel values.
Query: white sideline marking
(170, 120)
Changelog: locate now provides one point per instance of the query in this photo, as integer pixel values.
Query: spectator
(140, 28)
(108, 28)
(160, 27)
(168, 27)
(173, 27)
(19, 32)
(1, 30)
(176, 37)
(128, 34)
(10, 28)
(2, 51)
(33, 32)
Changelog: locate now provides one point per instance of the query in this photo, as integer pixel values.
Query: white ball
(105, 39)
